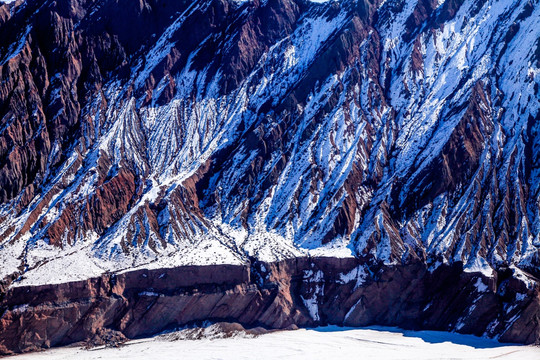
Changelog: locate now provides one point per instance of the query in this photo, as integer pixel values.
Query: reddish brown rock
(272, 295)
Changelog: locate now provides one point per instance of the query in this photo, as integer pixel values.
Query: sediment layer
(302, 292)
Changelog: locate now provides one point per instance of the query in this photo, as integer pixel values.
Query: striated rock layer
(157, 134)
(297, 292)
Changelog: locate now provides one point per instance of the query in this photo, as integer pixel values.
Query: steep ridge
(156, 134)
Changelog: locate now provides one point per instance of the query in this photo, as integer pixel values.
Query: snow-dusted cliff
(401, 129)
(158, 133)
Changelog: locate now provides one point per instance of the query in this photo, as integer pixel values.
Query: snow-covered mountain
(154, 134)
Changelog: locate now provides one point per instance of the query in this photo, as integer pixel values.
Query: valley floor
(321, 343)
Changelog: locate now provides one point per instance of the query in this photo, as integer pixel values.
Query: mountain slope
(390, 130)
(159, 133)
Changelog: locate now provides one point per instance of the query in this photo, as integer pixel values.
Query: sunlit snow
(320, 343)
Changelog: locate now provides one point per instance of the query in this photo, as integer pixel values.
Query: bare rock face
(297, 292)
(285, 162)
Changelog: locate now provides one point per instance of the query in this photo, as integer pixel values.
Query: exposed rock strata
(296, 292)
(130, 129)
(162, 133)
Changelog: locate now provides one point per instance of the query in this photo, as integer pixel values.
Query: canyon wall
(304, 292)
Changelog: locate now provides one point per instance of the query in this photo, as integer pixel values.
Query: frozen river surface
(322, 343)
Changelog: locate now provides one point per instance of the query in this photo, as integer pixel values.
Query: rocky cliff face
(158, 133)
(295, 292)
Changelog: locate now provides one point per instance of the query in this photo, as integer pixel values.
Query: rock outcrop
(297, 292)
